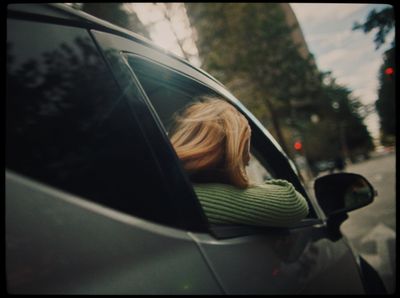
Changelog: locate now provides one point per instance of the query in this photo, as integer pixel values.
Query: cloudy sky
(349, 55)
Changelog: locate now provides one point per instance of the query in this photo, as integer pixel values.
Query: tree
(382, 20)
(340, 130)
(249, 47)
(116, 14)
(385, 105)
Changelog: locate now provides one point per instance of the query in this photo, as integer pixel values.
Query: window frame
(179, 191)
(258, 154)
(261, 137)
(119, 95)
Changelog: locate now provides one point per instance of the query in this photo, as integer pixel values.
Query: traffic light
(389, 71)
(298, 145)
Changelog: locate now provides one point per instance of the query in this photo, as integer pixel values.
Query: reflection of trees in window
(53, 104)
(69, 126)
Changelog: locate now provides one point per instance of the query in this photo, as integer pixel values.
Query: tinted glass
(167, 90)
(69, 126)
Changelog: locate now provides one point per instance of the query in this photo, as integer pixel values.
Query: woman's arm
(275, 203)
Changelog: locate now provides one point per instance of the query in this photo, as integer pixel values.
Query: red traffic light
(389, 71)
(298, 146)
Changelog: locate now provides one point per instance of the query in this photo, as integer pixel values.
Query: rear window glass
(69, 126)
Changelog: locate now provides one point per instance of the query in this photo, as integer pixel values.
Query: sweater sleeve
(275, 203)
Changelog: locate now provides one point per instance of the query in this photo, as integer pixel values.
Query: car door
(245, 260)
(88, 210)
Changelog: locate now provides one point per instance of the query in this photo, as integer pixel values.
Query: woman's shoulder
(274, 203)
(278, 188)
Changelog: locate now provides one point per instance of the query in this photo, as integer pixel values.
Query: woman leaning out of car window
(212, 140)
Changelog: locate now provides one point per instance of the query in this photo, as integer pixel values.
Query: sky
(163, 32)
(327, 28)
(350, 55)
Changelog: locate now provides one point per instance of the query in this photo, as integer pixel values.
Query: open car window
(169, 92)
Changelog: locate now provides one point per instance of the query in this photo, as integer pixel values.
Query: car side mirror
(343, 192)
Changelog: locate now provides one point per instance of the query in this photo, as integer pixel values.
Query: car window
(170, 92)
(69, 126)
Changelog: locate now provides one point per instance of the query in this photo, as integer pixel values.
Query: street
(372, 229)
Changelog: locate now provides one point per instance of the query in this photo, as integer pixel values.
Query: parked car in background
(326, 165)
(97, 201)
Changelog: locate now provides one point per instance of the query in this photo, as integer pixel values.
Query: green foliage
(254, 39)
(385, 105)
(253, 42)
(320, 143)
(382, 20)
(250, 48)
(341, 130)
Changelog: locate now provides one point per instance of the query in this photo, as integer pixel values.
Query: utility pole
(341, 127)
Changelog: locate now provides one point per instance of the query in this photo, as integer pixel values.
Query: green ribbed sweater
(275, 203)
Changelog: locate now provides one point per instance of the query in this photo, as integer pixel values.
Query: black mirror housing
(343, 192)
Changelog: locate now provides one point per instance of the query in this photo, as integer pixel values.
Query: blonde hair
(212, 139)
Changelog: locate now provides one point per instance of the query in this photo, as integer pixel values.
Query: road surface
(372, 229)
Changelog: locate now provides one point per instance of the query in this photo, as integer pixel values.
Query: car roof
(67, 13)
